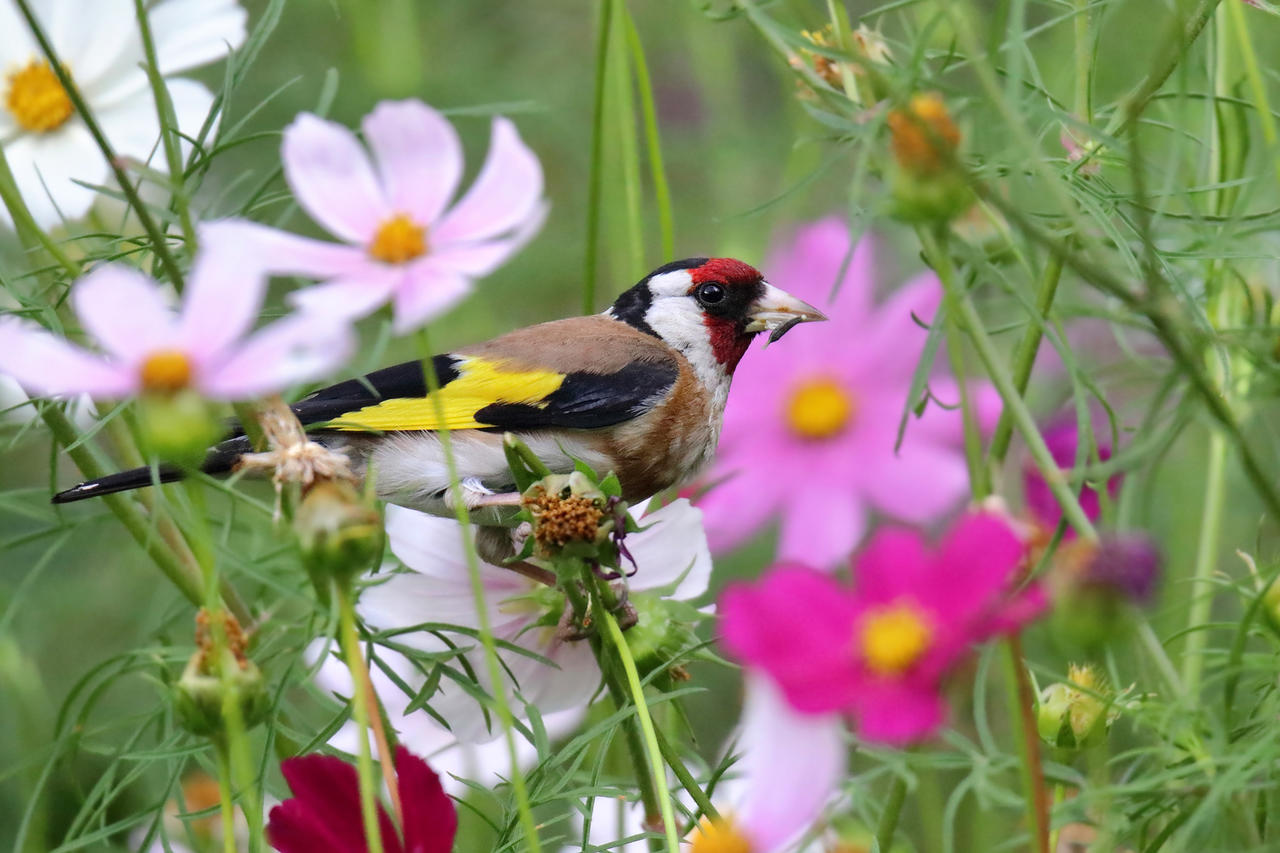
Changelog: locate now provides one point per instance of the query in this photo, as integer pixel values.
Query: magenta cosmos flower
(146, 346)
(1063, 440)
(880, 652)
(401, 241)
(809, 432)
(324, 811)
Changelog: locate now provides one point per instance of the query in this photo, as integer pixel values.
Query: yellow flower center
(166, 371)
(36, 98)
(819, 409)
(719, 836)
(399, 240)
(893, 638)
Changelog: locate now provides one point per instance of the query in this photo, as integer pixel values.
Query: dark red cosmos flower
(323, 815)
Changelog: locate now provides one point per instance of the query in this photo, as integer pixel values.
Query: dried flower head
(567, 510)
(293, 458)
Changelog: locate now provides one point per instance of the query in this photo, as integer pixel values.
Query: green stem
(1256, 82)
(653, 141)
(493, 665)
(686, 779)
(979, 482)
(228, 808)
(1021, 700)
(1059, 797)
(656, 765)
(595, 174)
(159, 246)
(624, 121)
(1081, 104)
(350, 642)
(1206, 559)
(892, 812)
(1024, 357)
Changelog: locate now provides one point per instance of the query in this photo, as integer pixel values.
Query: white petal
(674, 543)
(98, 41)
(43, 167)
(17, 48)
(332, 178)
(48, 365)
(125, 312)
(190, 33)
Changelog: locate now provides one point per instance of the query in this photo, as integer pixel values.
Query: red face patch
(725, 270)
(728, 343)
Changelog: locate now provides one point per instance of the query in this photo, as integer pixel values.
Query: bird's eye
(711, 293)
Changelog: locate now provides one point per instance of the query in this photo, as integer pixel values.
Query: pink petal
(920, 484)
(809, 267)
(977, 565)
(349, 297)
(125, 313)
(281, 253)
(418, 157)
(480, 259)
(797, 626)
(48, 365)
(430, 819)
(505, 193)
(790, 766)
(895, 564)
(222, 298)
(332, 179)
(324, 809)
(893, 338)
(740, 502)
(898, 714)
(296, 349)
(425, 293)
(821, 527)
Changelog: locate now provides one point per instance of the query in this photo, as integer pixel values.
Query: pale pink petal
(47, 365)
(332, 178)
(821, 527)
(478, 259)
(789, 768)
(809, 267)
(125, 312)
(672, 545)
(893, 337)
(570, 684)
(920, 483)
(504, 194)
(740, 503)
(418, 157)
(349, 297)
(424, 294)
(898, 714)
(281, 253)
(288, 352)
(222, 298)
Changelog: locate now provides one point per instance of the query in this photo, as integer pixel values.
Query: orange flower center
(166, 371)
(36, 98)
(719, 836)
(923, 134)
(399, 240)
(819, 409)
(893, 638)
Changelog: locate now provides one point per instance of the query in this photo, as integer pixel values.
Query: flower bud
(339, 533)
(178, 427)
(924, 138)
(1095, 582)
(1271, 606)
(1075, 715)
(570, 515)
(663, 629)
(213, 677)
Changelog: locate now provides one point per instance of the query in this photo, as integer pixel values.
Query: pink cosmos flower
(880, 652)
(401, 241)
(324, 811)
(147, 346)
(1063, 440)
(809, 432)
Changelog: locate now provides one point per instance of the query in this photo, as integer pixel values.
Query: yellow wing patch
(481, 382)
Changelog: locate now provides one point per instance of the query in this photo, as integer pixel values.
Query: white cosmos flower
(47, 145)
(671, 551)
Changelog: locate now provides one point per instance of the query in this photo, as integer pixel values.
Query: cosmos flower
(47, 145)
(672, 558)
(324, 811)
(824, 411)
(146, 346)
(401, 241)
(1063, 440)
(880, 652)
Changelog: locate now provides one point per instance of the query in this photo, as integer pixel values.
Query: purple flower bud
(1128, 563)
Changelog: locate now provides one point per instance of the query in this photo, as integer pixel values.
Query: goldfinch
(639, 390)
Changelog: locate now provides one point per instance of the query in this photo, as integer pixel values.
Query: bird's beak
(776, 311)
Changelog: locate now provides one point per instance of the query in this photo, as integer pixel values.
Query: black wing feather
(389, 383)
(588, 400)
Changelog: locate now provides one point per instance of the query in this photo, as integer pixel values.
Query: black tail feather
(220, 460)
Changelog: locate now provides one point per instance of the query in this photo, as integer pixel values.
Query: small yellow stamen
(819, 408)
(893, 638)
(166, 371)
(36, 98)
(719, 836)
(399, 240)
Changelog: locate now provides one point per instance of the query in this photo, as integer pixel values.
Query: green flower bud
(213, 678)
(178, 427)
(1271, 606)
(339, 533)
(663, 629)
(1076, 714)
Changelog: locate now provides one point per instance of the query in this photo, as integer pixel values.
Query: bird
(639, 390)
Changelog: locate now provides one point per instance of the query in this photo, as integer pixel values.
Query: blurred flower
(866, 43)
(1079, 146)
(809, 432)
(1095, 582)
(151, 348)
(923, 136)
(671, 556)
(881, 651)
(1063, 440)
(402, 242)
(46, 144)
(324, 811)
